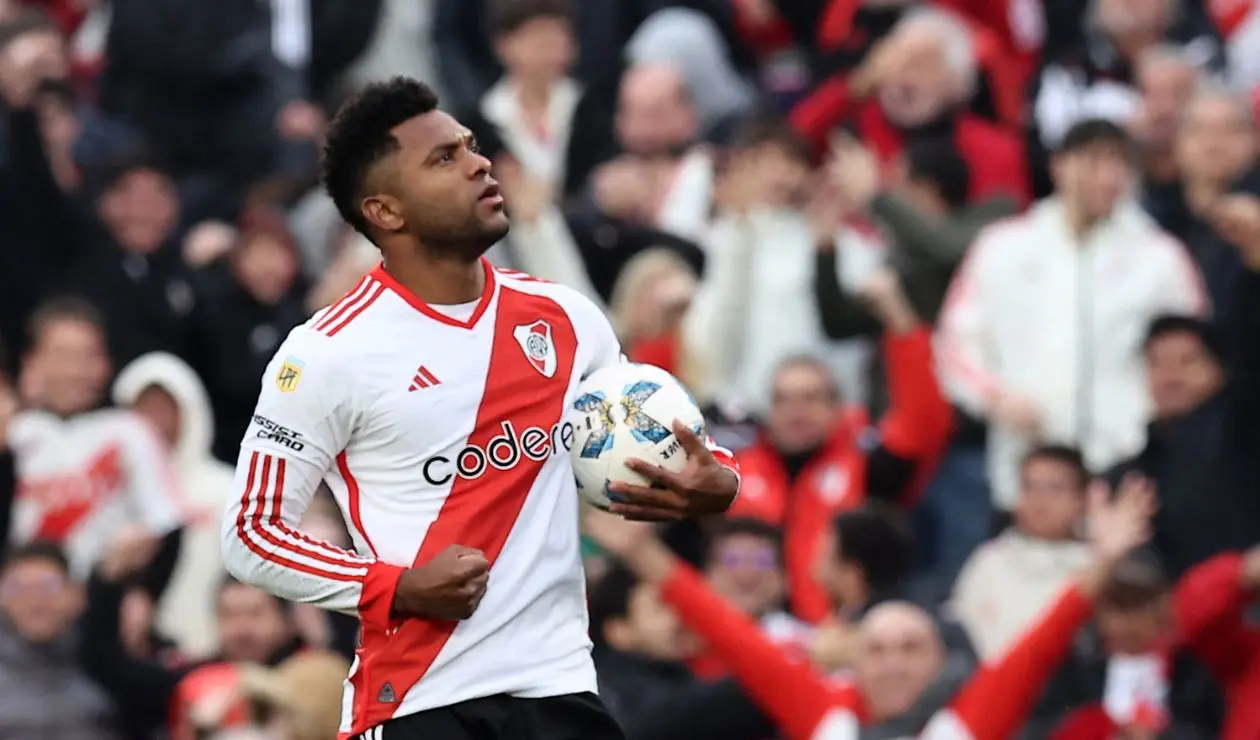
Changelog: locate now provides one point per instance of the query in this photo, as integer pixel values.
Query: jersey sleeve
(152, 489)
(302, 422)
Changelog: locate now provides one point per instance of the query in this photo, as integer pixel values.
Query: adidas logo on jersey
(504, 451)
(387, 696)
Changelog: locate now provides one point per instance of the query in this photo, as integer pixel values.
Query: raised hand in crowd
(1016, 412)
(623, 189)
(1119, 522)
(130, 552)
(526, 196)
(855, 170)
(886, 299)
(26, 63)
(1237, 218)
(207, 242)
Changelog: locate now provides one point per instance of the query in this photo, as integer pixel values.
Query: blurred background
(931, 266)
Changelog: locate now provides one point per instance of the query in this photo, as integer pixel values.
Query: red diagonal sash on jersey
(477, 513)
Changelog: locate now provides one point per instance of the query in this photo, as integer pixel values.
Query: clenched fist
(449, 586)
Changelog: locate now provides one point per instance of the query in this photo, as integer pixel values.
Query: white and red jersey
(432, 426)
(80, 479)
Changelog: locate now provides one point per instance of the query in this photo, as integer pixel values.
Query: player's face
(70, 366)
(449, 200)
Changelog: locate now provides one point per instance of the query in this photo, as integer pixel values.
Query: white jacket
(756, 305)
(1036, 312)
(1008, 582)
(186, 613)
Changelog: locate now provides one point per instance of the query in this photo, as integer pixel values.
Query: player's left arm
(709, 483)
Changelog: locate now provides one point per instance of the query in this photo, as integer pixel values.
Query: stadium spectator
(167, 393)
(1216, 151)
(45, 692)
(902, 683)
(1210, 605)
(161, 689)
(916, 84)
(813, 461)
(1011, 353)
(1203, 432)
(764, 226)
(538, 115)
(1009, 580)
(84, 471)
(1088, 70)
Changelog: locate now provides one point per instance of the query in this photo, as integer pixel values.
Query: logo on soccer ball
(643, 427)
(599, 424)
(536, 343)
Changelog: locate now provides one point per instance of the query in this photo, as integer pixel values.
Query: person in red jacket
(992, 705)
(917, 83)
(814, 460)
(1209, 607)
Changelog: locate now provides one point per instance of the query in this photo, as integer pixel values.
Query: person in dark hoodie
(1201, 445)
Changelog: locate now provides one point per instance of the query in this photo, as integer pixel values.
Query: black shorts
(502, 717)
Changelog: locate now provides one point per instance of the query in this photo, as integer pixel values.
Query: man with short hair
(433, 401)
(1042, 326)
(43, 691)
(83, 471)
(1007, 582)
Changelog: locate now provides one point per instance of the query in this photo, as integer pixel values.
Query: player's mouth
(491, 195)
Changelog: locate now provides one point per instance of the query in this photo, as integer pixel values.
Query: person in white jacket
(163, 389)
(1042, 327)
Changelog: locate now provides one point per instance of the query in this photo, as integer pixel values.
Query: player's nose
(480, 165)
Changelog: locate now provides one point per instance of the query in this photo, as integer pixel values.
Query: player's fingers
(636, 513)
(654, 473)
(643, 496)
(471, 565)
(690, 441)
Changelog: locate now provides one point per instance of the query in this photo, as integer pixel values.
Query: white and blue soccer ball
(627, 411)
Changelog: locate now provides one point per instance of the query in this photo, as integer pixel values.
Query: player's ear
(384, 212)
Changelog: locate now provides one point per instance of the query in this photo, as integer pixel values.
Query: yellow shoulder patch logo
(289, 375)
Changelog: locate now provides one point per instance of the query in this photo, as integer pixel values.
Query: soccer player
(431, 400)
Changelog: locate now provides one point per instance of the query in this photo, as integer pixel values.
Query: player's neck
(439, 281)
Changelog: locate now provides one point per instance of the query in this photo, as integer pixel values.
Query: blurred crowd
(960, 281)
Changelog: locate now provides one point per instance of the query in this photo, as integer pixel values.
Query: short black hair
(720, 529)
(1168, 324)
(937, 162)
(1136, 583)
(1096, 131)
(876, 539)
(507, 16)
(361, 134)
(771, 130)
(609, 598)
(1063, 454)
(39, 550)
(63, 308)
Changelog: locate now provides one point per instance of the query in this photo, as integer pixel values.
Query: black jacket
(1205, 463)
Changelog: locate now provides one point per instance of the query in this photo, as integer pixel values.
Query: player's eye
(474, 147)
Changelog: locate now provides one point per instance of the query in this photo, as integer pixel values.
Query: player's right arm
(302, 421)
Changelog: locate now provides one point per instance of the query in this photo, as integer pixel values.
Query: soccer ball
(627, 411)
